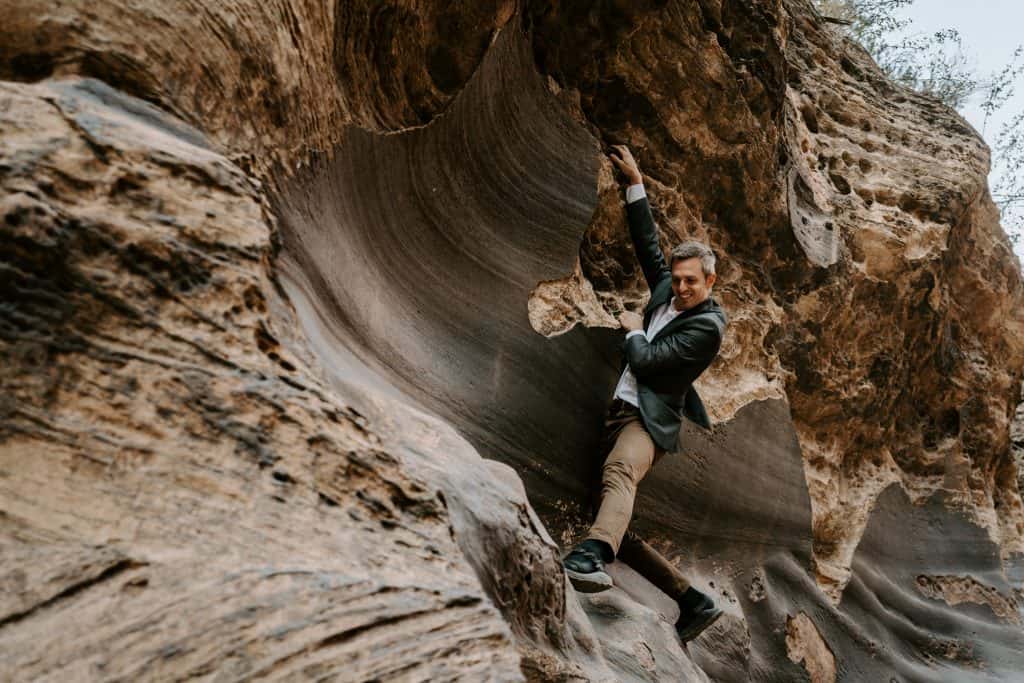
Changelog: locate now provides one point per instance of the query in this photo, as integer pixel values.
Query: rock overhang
(775, 294)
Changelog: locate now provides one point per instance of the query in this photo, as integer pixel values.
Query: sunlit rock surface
(302, 301)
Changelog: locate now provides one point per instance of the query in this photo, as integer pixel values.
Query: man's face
(689, 283)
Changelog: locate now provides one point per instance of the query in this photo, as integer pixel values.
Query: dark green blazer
(666, 367)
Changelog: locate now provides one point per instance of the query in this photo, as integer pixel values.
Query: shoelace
(587, 554)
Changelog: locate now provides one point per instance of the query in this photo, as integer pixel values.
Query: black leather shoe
(586, 569)
(694, 620)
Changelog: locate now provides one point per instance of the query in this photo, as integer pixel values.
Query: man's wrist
(635, 193)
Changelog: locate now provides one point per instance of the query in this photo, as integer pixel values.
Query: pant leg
(651, 565)
(631, 549)
(627, 464)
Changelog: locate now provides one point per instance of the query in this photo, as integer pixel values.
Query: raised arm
(641, 223)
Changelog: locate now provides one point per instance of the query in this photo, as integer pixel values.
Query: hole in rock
(840, 183)
(810, 116)
(282, 476)
(950, 422)
(29, 67)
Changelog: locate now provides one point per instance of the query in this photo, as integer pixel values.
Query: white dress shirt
(626, 389)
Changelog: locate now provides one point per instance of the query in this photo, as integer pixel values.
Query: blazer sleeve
(695, 344)
(645, 241)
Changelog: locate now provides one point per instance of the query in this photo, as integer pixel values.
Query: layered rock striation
(308, 325)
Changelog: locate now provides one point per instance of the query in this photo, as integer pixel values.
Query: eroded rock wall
(276, 275)
(181, 496)
(861, 262)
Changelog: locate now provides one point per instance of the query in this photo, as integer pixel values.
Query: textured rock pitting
(180, 496)
(230, 310)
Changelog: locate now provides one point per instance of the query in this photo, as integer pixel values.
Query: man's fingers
(625, 157)
(630, 320)
(625, 162)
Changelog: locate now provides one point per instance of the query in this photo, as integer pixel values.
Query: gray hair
(695, 249)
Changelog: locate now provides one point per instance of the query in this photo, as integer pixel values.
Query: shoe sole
(594, 582)
(700, 628)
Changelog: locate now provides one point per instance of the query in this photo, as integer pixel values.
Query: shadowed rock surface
(301, 301)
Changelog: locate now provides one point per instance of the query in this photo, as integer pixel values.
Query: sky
(991, 31)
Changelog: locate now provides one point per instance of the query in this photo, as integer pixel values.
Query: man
(665, 351)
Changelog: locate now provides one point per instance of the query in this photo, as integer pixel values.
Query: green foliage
(935, 65)
(1002, 86)
(1009, 190)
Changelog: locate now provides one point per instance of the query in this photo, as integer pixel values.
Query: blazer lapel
(661, 295)
(702, 307)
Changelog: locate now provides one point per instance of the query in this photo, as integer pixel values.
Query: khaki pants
(631, 455)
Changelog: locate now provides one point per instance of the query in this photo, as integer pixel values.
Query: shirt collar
(691, 309)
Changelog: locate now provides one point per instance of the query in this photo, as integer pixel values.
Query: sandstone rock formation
(301, 300)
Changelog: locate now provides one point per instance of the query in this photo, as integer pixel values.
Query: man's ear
(710, 280)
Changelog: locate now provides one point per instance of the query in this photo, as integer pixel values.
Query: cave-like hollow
(411, 256)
